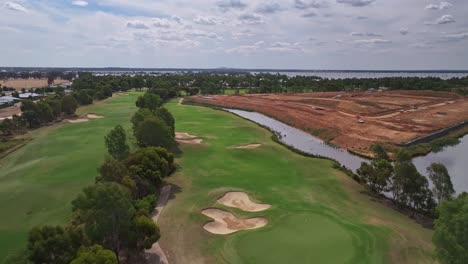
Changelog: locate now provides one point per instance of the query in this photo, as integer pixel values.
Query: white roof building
(27, 95)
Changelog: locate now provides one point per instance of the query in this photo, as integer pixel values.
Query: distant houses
(29, 96)
(6, 101)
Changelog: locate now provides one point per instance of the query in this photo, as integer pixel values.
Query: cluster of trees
(409, 188)
(111, 220)
(153, 125)
(36, 114)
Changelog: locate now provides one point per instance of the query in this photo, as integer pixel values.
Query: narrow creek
(455, 158)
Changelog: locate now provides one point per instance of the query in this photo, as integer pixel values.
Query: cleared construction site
(355, 120)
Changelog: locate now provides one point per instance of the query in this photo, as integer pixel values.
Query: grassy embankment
(39, 180)
(318, 214)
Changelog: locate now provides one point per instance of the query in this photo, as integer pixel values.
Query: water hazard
(454, 158)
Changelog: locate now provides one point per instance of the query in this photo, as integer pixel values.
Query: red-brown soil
(355, 120)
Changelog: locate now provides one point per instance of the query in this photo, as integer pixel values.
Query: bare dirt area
(242, 201)
(355, 120)
(9, 112)
(19, 84)
(249, 146)
(226, 223)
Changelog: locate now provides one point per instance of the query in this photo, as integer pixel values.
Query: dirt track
(356, 120)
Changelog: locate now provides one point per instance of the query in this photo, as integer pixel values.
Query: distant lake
(453, 157)
(374, 74)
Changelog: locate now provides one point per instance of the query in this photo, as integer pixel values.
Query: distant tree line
(111, 220)
(172, 85)
(37, 114)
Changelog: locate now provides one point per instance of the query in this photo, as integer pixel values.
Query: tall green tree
(52, 245)
(377, 175)
(116, 143)
(167, 117)
(95, 255)
(443, 188)
(69, 105)
(107, 212)
(153, 132)
(149, 101)
(379, 152)
(451, 231)
(410, 188)
(148, 167)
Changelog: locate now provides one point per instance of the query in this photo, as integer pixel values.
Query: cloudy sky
(299, 34)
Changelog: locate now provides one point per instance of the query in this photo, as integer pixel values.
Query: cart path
(156, 255)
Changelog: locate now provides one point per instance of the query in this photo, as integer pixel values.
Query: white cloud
(445, 19)
(161, 23)
(136, 24)
(231, 4)
(269, 8)
(80, 3)
(372, 41)
(306, 4)
(441, 6)
(251, 19)
(207, 21)
(356, 3)
(367, 34)
(15, 7)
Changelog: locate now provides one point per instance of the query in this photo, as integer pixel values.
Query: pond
(455, 158)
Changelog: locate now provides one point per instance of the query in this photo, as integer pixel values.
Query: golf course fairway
(317, 214)
(38, 181)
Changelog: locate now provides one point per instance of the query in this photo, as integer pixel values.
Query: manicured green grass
(38, 181)
(318, 214)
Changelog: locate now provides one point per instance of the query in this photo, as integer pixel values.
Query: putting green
(317, 214)
(38, 181)
(314, 237)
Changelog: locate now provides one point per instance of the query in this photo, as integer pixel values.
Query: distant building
(6, 101)
(29, 95)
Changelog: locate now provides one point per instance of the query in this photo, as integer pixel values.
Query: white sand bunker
(184, 136)
(250, 146)
(193, 141)
(187, 138)
(226, 223)
(79, 120)
(93, 116)
(242, 201)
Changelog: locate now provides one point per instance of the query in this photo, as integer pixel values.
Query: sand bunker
(250, 146)
(193, 141)
(184, 136)
(79, 120)
(226, 223)
(93, 116)
(242, 201)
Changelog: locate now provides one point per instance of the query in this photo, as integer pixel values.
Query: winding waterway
(455, 158)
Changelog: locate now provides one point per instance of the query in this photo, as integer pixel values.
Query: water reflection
(455, 158)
